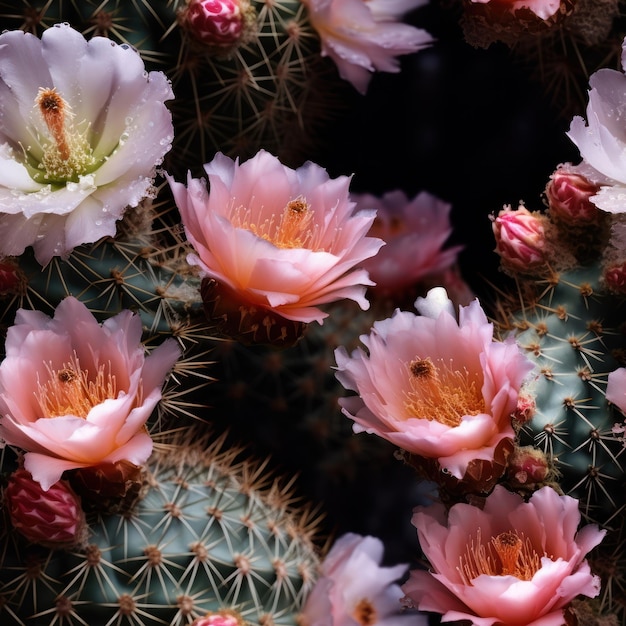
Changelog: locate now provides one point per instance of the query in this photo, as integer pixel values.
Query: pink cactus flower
(569, 196)
(414, 232)
(52, 518)
(82, 130)
(433, 386)
(364, 36)
(284, 240)
(520, 238)
(514, 562)
(354, 589)
(215, 22)
(75, 393)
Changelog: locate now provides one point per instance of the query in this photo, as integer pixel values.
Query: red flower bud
(52, 518)
(615, 278)
(215, 22)
(569, 196)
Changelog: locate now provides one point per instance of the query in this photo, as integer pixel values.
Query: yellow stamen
(74, 391)
(508, 554)
(293, 229)
(442, 393)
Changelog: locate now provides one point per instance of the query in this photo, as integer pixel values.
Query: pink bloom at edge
(514, 562)
(544, 9)
(75, 393)
(283, 239)
(433, 386)
(364, 36)
(354, 589)
(414, 232)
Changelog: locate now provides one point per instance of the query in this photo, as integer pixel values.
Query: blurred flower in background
(415, 232)
(365, 36)
(354, 589)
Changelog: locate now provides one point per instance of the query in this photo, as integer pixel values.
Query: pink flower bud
(526, 407)
(52, 518)
(569, 196)
(615, 278)
(221, 618)
(520, 237)
(214, 22)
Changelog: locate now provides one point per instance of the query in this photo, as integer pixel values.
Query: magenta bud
(52, 518)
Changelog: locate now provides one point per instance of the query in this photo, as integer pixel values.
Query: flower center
(73, 391)
(442, 393)
(291, 230)
(507, 554)
(67, 154)
(365, 612)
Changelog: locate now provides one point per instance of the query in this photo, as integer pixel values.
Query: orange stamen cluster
(442, 393)
(71, 390)
(291, 230)
(508, 554)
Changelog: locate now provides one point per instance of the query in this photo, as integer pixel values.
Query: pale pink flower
(514, 562)
(82, 129)
(433, 386)
(354, 589)
(53, 517)
(364, 36)
(75, 393)
(414, 232)
(543, 9)
(520, 237)
(284, 240)
(601, 140)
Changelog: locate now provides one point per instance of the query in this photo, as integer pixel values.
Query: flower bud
(520, 237)
(569, 196)
(52, 518)
(526, 407)
(615, 278)
(527, 467)
(12, 279)
(215, 22)
(219, 618)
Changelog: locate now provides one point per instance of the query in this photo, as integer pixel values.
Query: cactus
(262, 92)
(570, 326)
(213, 531)
(565, 309)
